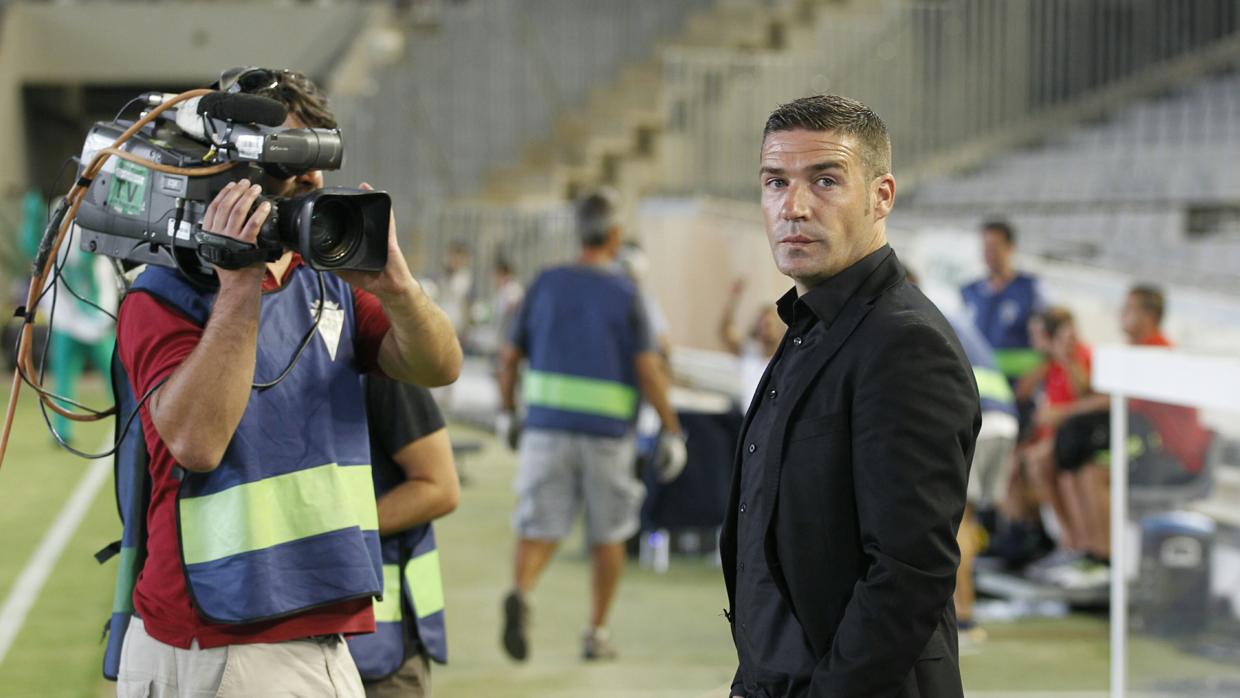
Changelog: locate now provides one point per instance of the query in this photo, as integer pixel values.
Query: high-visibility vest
(294, 491)
(577, 329)
(1003, 320)
(412, 598)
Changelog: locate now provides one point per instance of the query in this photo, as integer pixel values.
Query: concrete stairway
(613, 138)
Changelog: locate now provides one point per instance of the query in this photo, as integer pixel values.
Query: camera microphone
(243, 108)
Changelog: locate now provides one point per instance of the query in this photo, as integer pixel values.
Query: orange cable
(25, 359)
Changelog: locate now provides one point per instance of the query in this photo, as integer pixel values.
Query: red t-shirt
(1058, 383)
(1182, 435)
(154, 339)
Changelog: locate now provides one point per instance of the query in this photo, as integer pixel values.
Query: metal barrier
(1180, 590)
(528, 239)
(941, 74)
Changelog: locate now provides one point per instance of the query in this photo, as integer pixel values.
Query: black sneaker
(516, 622)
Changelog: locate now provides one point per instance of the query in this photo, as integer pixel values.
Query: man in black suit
(839, 550)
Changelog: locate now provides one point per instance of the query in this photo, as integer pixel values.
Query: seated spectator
(1017, 534)
(1166, 443)
(1063, 380)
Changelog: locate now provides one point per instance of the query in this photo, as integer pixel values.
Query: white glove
(507, 429)
(670, 457)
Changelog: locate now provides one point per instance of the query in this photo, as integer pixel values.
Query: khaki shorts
(557, 471)
(412, 680)
(310, 667)
(992, 459)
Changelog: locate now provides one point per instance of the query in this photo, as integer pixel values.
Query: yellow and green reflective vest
(581, 328)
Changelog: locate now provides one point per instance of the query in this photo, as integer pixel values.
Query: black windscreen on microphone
(249, 109)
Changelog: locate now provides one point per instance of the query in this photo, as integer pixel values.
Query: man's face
(1136, 322)
(823, 212)
(996, 250)
(293, 186)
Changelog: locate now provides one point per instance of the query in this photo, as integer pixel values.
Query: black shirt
(401, 414)
(776, 659)
(398, 414)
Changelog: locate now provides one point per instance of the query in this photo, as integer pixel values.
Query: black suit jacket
(865, 478)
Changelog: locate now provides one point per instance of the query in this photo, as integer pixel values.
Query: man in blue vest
(1002, 303)
(584, 332)
(262, 544)
(416, 482)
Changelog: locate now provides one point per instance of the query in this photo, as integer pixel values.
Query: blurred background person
(1063, 380)
(584, 332)
(1001, 303)
(507, 298)
(635, 265)
(1166, 446)
(456, 286)
(756, 347)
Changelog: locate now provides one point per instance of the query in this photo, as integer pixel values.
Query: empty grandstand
(1106, 132)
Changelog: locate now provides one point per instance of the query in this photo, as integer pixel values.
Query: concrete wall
(93, 44)
(697, 249)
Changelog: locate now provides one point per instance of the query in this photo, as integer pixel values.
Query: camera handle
(230, 253)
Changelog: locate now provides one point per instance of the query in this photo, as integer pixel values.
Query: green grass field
(669, 628)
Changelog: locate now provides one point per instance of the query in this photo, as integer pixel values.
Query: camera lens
(333, 236)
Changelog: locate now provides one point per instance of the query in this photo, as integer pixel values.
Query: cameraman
(261, 546)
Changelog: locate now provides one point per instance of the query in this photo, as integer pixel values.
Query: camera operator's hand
(229, 215)
(395, 279)
(421, 346)
(197, 410)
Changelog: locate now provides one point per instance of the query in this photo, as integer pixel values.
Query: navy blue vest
(411, 583)
(576, 329)
(287, 522)
(1003, 319)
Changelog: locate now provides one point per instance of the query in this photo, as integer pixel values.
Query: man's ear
(883, 195)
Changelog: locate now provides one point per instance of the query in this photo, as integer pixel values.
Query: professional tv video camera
(144, 185)
(140, 213)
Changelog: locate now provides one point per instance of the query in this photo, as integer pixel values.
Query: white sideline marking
(34, 575)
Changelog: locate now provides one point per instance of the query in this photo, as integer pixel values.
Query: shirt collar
(827, 299)
(269, 280)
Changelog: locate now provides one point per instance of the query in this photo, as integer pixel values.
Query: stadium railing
(1170, 567)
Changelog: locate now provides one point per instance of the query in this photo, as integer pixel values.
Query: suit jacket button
(752, 448)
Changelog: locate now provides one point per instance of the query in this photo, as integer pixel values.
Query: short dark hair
(1054, 318)
(302, 96)
(842, 115)
(1151, 299)
(1002, 227)
(596, 217)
